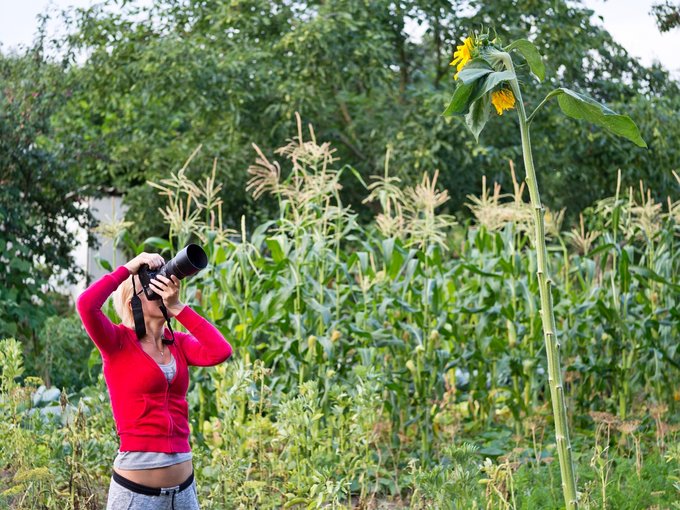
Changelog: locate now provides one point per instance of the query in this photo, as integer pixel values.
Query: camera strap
(167, 341)
(138, 315)
(137, 312)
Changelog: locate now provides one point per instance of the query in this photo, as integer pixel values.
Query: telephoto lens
(187, 262)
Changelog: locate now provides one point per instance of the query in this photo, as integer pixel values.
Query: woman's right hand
(153, 260)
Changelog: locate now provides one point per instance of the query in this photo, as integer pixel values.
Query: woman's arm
(205, 346)
(89, 305)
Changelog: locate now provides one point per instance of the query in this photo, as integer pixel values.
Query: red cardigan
(151, 414)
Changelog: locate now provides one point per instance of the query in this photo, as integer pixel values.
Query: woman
(147, 380)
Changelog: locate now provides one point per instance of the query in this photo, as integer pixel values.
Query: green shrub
(65, 356)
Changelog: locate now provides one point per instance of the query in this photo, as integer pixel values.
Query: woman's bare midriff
(159, 477)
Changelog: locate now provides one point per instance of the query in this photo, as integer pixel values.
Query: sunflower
(503, 100)
(462, 55)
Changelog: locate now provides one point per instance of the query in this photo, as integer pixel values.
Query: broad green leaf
(460, 102)
(474, 70)
(94, 359)
(583, 107)
(478, 115)
(321, 309)
(490, 82)
(473, 268)
(468, 93)
(531, 55)
(605, 247)
(644, 273)
(275, 249)
(495, 58)
(388, 248)
(103, 263)
(491, 451)
(363, 260)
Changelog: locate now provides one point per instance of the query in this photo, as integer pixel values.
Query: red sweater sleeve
(89, 305)
(205, 346)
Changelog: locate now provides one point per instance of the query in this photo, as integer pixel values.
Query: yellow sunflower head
(462, 55)
(502, 99)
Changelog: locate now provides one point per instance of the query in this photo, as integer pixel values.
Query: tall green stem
(552, 346)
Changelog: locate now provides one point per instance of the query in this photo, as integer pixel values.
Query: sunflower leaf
(494, 57)
(460, 102)
(471, 90)
(474, 70)
(531, 55)
(582, 107)
(478, 115)
(490, 82)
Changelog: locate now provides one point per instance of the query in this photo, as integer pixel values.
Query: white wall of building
(104, 210)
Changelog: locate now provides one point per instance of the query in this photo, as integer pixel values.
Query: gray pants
(121, 498)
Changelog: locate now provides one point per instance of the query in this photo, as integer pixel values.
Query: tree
(667, 15)
(159, 80)
(40, 200)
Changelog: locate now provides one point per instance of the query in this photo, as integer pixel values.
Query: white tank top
(169, 369)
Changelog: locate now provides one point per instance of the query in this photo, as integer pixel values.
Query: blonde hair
(121, 300)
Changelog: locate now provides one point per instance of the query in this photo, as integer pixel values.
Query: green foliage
(532, 56)
(39, 193)
(389, 353)
(251, 452)
(485, 74)
(367, 353)
(11, 364)
(460, 102)
(159, 80)
(667, 15)
(585, 108)
(64, 356)
(51, 460)
(335, 294)
(610, 153)
(478, 115)
(454, 483)
(334, 458)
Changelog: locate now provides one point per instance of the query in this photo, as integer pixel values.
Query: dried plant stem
(552, 345)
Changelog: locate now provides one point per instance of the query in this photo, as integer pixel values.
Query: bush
(65, 360)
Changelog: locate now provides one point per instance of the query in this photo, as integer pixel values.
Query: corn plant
(447, 314)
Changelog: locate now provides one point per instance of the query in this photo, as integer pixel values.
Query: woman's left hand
(168, 289)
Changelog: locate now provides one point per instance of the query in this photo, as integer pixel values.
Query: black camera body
(187, 262)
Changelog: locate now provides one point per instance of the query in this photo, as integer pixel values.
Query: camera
(187, 262)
